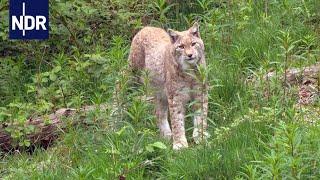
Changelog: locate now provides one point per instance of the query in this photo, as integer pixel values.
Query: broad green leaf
(53, 77)
(57, 69)
(159, 145)
(149, 148)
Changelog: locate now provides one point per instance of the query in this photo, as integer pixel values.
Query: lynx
(171, 58)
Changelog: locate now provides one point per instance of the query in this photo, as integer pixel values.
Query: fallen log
(310, 74)
(45, 133)
(307, 79)
(295, 76)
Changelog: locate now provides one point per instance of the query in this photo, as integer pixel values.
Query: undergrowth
(257, 129)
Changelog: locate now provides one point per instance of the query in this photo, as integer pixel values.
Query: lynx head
(188, 46)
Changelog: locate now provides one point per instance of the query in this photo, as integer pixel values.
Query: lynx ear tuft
(173, 35)
(194, 30)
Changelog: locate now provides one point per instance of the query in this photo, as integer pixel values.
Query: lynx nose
(190, 55)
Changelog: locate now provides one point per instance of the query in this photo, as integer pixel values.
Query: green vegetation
(257, 129)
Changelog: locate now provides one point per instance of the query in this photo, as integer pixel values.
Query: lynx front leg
(200, 118)
(177, 111)
(162, 117)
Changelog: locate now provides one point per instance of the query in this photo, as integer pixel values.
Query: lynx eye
(193, 44)
(181, 46)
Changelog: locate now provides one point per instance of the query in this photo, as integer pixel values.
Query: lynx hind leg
(200, 133)
(136, 61)
(136, 55)
(161, 104)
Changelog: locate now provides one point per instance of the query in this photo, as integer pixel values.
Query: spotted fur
(172, 58)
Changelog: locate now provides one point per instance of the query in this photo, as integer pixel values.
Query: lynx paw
(199, 137)
(180, 145)
(166, 135)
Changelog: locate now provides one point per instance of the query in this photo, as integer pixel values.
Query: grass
(91, 153)
(257, 130)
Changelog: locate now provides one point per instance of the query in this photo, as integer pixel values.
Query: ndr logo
(29, 19)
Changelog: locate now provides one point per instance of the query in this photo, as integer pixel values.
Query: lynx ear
(194, 30)
(173, 35)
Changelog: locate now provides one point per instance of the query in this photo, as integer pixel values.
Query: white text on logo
(26, 22)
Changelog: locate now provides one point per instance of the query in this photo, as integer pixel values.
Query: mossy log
(45, 133)
(296, 76)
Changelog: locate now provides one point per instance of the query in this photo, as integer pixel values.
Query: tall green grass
(257, 130)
